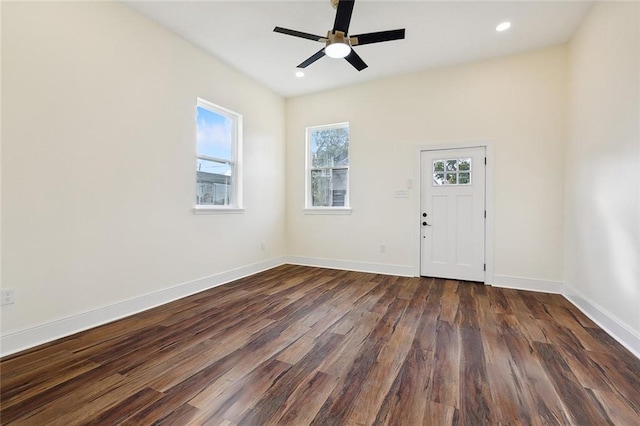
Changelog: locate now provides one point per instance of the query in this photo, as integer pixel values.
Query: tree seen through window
(329, 172)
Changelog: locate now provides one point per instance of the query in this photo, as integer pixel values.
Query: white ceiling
(438, 33)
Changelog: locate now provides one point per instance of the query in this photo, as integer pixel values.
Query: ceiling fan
(338, 43)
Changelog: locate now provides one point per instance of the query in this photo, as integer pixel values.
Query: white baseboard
(530, 284)
(374, 268)
(616, 328)
(34, 336)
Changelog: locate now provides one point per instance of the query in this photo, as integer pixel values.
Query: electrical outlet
(383, 248)
(7, 296)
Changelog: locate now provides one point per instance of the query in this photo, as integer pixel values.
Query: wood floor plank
(340, 403)
(14, 373)
(406, 401)
(531, 380)
(180, 416)
(299, 345)
(128, 407)
(439, 414)
(512, 405)
(529, 327)
(338, 363)
(445, 367)
(305, 401)
(623, 378)
(588, 372)
(239, 396)
(79, 403)
(567, 385)
(618, 410)
(43, 378)
(272, 406)
(88, 404)
(392, 356)
(475, 402)
(450, 300)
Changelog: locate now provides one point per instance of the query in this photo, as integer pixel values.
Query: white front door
(452, 215)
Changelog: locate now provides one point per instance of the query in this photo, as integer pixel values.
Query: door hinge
(485, 160)
(485, 267)
(485, 214)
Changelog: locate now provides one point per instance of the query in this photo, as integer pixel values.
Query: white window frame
(235, 205)
(309, 207)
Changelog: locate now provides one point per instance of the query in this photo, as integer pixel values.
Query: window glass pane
(438, 178)
(215, 134)
(339, 185)
(213, 194)
(330, 147)
(452, 172)
(328, 151)
(221, 194)
(214, 183)
(320, 188)
(339, 182)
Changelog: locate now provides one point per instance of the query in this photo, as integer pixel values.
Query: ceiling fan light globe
(337, 50)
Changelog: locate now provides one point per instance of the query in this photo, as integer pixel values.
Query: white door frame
(488, 239)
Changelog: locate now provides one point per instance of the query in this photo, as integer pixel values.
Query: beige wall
(517, 102)
(602, 232)
(98, 172)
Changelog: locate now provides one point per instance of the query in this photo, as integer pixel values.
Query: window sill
(216, 210)
(328, 210)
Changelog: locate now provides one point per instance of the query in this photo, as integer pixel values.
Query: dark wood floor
(298, 345)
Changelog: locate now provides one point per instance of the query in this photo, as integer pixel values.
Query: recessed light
(503, 26)
(299, 74)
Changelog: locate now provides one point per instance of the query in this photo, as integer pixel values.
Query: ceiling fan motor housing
(337, 37)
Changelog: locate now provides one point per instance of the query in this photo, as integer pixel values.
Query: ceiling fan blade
(299, 34)
(356, 60)
(343, 16)
(368, 38)
(319, 54)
